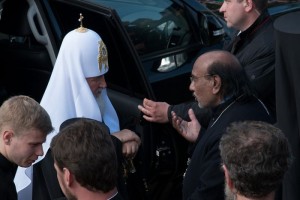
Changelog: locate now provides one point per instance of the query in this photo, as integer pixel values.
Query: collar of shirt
(7, 166)
(260, 21)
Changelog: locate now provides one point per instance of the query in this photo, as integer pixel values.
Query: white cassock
(68, 95)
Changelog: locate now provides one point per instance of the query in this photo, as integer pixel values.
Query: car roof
(131, 5)
(277, 10)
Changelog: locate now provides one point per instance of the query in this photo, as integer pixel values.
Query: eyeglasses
(194, 78)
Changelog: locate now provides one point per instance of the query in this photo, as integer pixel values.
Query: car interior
(26, 66)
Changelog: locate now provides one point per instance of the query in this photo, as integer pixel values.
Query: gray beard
(200, 105)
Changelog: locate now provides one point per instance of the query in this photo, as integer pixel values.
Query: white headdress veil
(68, 94)
(82, 54)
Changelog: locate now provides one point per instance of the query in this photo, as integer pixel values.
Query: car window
(153, 25)
(157, 29)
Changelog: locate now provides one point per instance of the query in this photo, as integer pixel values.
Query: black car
(151, 44)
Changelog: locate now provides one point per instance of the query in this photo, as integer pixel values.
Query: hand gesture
(189, 130)
(154, 111)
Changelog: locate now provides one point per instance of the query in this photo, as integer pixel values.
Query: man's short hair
(260, 4)
(86, 149)
(24, 113)
(256, 155)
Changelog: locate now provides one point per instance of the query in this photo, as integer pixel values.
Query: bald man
(218, 83)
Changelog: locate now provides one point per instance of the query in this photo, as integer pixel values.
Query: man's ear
(68, 177)
(248, 4)
(216, 81)
(7, 136)
(227, 178)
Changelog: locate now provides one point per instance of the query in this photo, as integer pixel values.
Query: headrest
(14, 18)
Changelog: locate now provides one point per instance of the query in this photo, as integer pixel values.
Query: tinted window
(158, 29)
(153, 25)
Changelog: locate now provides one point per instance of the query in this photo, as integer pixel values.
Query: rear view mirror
(213, 30)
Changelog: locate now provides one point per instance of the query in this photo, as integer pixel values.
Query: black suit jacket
(7, 174)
